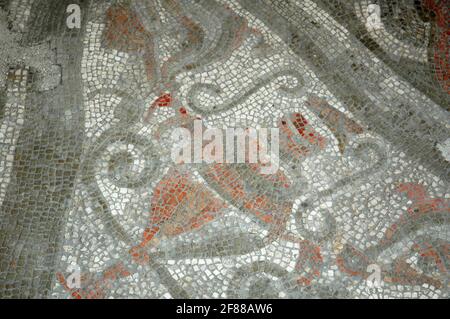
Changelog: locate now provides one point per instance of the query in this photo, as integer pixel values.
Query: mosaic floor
(93, 206)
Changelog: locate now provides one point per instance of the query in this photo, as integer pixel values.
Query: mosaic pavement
(92, 206)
